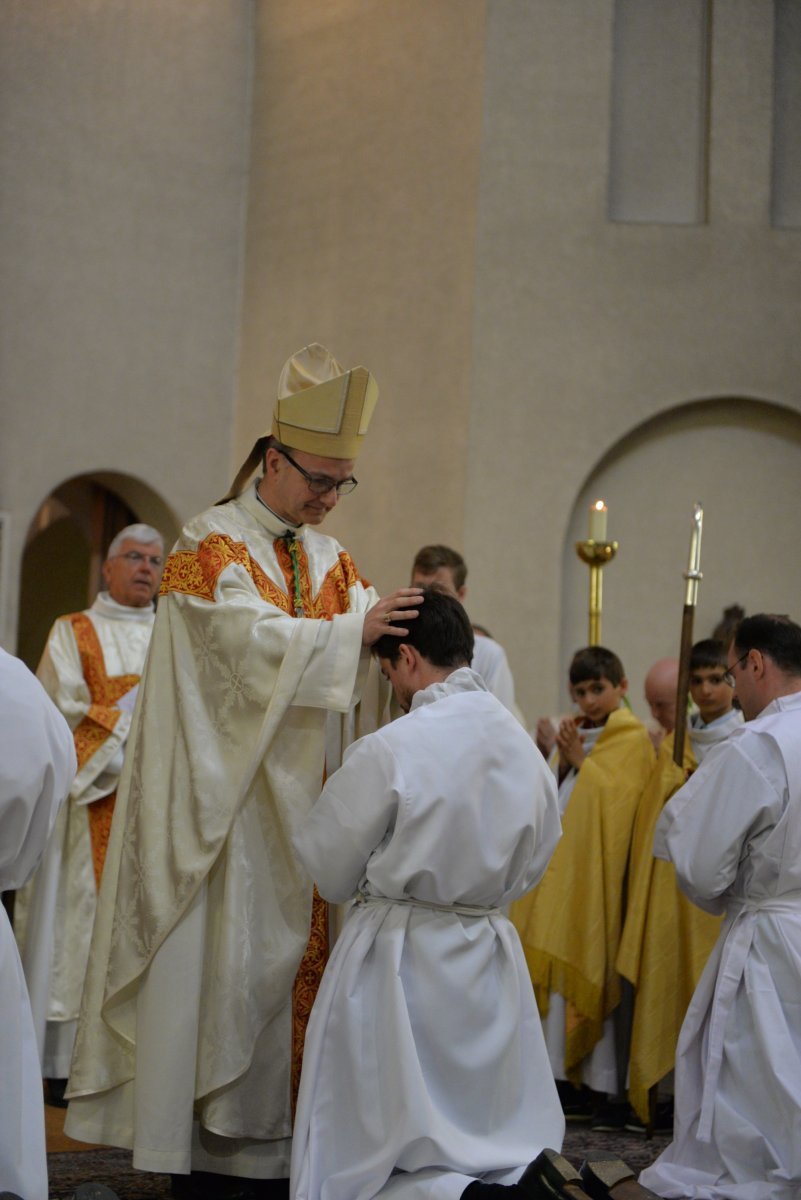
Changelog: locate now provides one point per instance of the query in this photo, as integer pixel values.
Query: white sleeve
(350, 820)
(704, 830)
(37, 764)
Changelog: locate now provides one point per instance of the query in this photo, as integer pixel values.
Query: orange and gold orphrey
(90, 734)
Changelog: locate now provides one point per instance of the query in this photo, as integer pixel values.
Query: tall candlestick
(596, 552)
(598, 515)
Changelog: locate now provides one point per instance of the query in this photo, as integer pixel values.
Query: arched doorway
(67, 542)
(741, 458)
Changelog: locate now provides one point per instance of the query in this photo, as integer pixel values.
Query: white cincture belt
(463, 910)
(730, 972)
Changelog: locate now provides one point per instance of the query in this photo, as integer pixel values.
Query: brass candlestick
(596, 555)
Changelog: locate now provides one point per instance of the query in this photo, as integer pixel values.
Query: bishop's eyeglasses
(320, 484)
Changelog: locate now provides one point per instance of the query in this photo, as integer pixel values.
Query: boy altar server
(733, 833)
(425, 1070)
(570, 925)
(666, 938)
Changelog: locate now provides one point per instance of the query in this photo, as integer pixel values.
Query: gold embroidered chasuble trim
(196, 573)
(666, 939)
(90, 734)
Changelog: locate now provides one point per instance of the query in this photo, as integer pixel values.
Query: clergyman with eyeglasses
(733, 833)
(209, 944)
(90, 669)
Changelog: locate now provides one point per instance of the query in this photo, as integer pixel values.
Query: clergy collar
(104, 606)
(463, 679)
(276, 526)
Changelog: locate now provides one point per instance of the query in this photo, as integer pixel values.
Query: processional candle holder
(596, 552)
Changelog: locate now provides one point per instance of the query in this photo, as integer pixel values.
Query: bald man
(661, 685)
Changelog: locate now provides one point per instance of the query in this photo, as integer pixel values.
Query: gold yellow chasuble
(95, 727)
(570, 923)
(203, 906)
(666, 938)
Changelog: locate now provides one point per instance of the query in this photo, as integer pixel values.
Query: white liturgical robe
(189, 1027)
(425, 1066)
(56, 911)
(37, 765)
(733, 833)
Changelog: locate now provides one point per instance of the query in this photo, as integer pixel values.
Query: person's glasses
(729, 676)
(134, 557)
(320, 484)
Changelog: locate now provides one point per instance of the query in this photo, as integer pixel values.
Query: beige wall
(361, 228)
(423, 187)
(123, 143)
(584, 329)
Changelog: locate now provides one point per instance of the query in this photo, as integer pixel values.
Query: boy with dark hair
(570, 925)
(667, 939)
(437, 564)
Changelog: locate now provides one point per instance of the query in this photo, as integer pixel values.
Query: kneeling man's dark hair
(442, 633)
(776, 636)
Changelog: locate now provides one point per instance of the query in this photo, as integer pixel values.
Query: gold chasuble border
(195, 573)
(90, 734)
(306, 985)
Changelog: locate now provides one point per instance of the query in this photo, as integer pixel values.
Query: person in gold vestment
(208, 947)
(666, 938)
(570, 924)
(90, 669)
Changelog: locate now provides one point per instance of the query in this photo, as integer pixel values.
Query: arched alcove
(741, 458)
(66, 543)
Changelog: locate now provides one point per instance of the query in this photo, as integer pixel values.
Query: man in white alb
(90, 669)
(37, 764)
(425, 1069)
(733, 833)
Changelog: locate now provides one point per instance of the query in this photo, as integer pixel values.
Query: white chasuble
(204, 910)
(90, 669)
(425, 1065)
(37, 765)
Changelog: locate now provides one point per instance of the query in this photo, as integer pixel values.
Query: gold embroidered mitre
(321, 408)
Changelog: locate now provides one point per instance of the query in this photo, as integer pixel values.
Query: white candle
(598, 513)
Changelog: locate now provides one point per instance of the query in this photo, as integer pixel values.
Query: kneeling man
(425, 1070)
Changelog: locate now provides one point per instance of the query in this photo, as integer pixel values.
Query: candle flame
(599, 505)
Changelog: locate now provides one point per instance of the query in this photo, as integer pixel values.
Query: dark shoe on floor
(663, 1119)
(607, 1177)
(55, 1093)
(93, 1191)
(578, 1103)
(550, 1175)
(206, 1185)
(610, 1116)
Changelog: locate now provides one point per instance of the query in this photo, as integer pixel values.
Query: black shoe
(578, 1103)
(606, 1177)
(55, 1093)
(207, 1185)
(610, 1116)
(663, 1119)
(550, 1175)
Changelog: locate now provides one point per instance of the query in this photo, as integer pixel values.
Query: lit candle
(598, 512)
